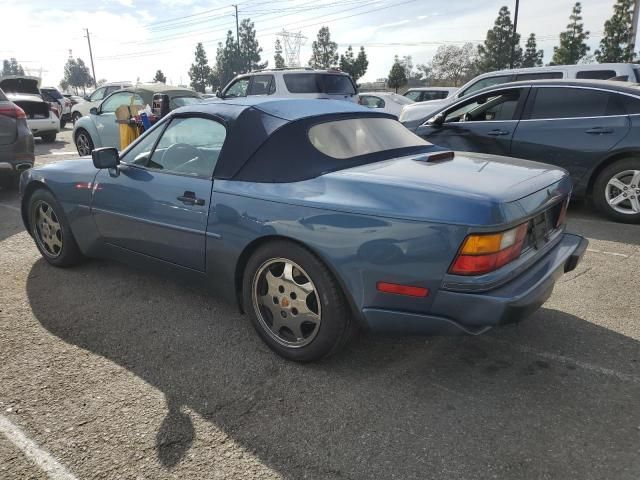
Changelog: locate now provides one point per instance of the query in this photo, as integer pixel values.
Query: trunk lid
(20, 84)
(472, 189)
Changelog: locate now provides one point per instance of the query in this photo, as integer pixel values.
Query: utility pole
(515, 31)
(237, 27)
(95, 82)
(634, 23)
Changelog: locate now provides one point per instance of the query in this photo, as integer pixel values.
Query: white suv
(82, 109)
(292, 83)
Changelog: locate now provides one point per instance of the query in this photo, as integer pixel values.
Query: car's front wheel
(616, 191)
(51, 231)
(294, 302)
(84, 144)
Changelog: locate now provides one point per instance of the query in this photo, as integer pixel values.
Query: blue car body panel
(399, 220)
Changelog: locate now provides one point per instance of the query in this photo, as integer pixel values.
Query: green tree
(249, 48)
(227, 62)
(77, 74)
(397, 75)
(277, 57)
(496, 52)
(11, 67)
(618, 44)
(324, 51)
(356, 66)
(532, 56)
(451, 65)
(200, 71)
(160, 78)
(572, 41)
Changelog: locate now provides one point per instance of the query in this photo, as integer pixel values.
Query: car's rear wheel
(616, 191)
(84, 144)
(294, 302)
(63, 123)
(50, 230)
(49, 138)
(75, 117)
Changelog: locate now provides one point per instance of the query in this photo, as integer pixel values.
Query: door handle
(189, 198)
(599, 131)
(497, 132)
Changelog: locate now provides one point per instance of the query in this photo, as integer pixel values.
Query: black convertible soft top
(267, 139)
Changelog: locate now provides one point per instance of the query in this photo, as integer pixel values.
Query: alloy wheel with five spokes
(622, 192)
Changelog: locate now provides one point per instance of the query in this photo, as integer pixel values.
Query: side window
(499, 105)
(113, 88)
(413, 95)
(117, 99)
(434, 95)
(237, 88)
(539, 76)
(97, 95)
(596, 74)
(370, 101)
(574, 103)
(140, 152)
(632, 104)
(190, 146)
(261, 85)
(486, 82)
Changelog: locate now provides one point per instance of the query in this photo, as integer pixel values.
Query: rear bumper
(17, 157)
(474, 313)
(44, 126)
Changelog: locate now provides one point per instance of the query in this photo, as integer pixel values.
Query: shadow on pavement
(387, 407)
(585, 220)
(10, 219)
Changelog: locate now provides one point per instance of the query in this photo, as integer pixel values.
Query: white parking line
(607, 253)
(10, 207)
(44, 460)
(625, 377)
(63, 153)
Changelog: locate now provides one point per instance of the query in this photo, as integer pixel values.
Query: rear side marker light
(484, 253)
(398, 289)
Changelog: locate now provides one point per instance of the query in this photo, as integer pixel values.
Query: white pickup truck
(24, 92)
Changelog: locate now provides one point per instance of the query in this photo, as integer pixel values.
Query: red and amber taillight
(12, 110)
(485, 252)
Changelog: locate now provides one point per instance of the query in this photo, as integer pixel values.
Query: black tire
(336, 324)
(75, 117)
(49, 138)
(83, 142)
(63, 123)
(600, 192)
(69, 254)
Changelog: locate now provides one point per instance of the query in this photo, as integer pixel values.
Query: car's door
(572, 127)
(105, 120)
(483, 123)
(158, 202)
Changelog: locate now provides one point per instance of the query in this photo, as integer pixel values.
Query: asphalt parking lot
(107, 372)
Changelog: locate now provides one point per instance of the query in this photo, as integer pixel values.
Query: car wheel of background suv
(49, 138)
(616, 191)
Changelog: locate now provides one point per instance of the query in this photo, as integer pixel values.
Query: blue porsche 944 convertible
(317, 217)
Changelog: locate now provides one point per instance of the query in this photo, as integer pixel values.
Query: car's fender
(86, 123)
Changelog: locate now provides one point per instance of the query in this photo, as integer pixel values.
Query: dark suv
(16, 142)
(591, 128)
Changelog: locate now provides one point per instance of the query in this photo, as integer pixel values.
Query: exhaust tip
(21, 167)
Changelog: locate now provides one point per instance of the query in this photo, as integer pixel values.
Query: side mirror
(107, 157)
(218, 93)
(436, 121)
(94, 111)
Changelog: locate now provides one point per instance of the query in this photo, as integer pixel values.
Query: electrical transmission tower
(292, 43)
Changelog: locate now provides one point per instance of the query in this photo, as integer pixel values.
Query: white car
(388, 102)
(24, 92)
(292, 83)
(412, 115)
(54, 94)
(81, 109)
